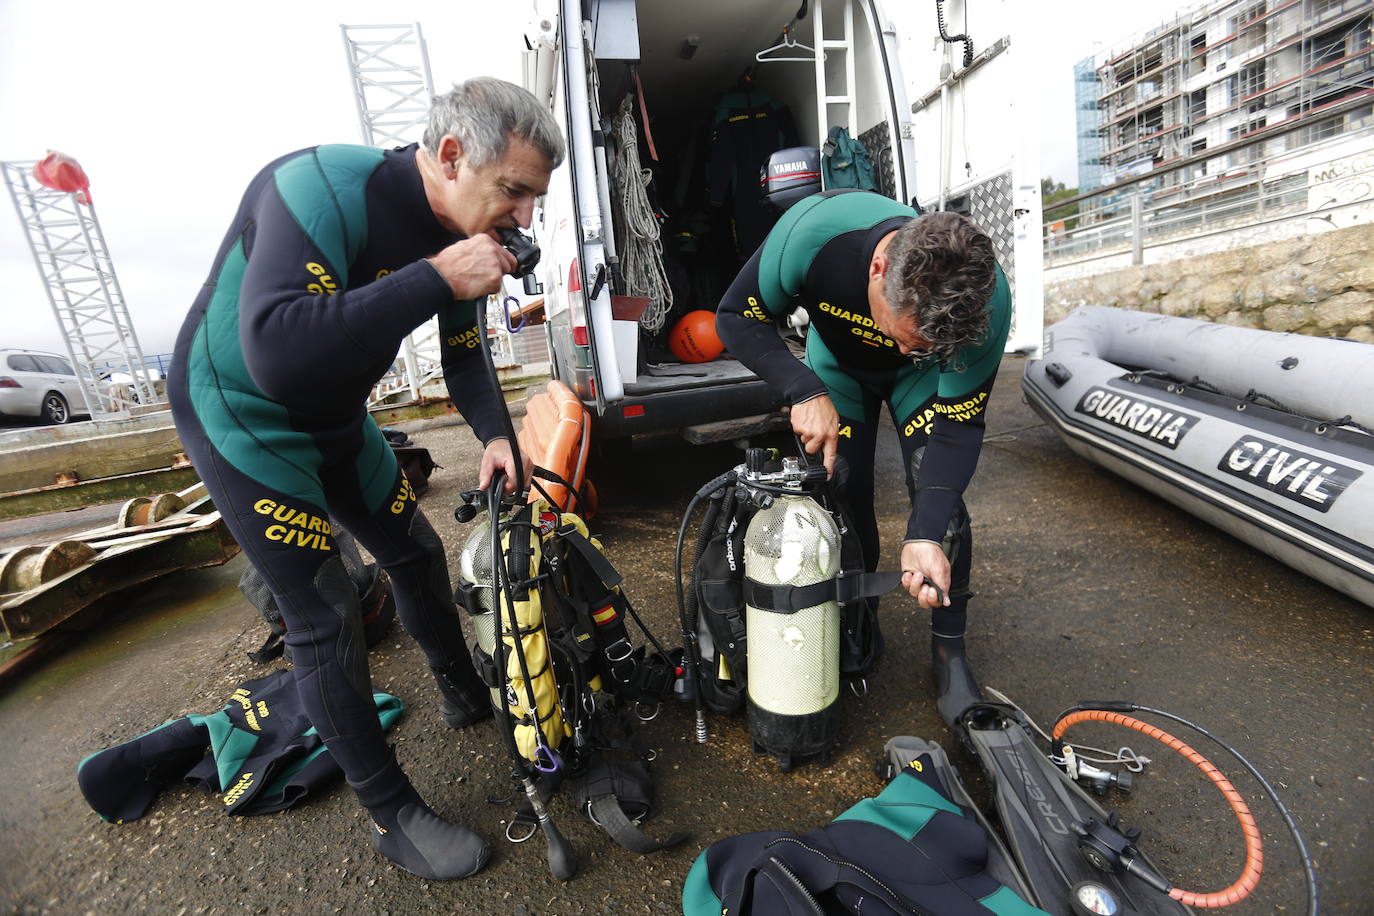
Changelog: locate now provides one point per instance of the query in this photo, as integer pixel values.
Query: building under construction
(1213, 115)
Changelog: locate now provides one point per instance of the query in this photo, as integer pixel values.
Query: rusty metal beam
(55, 498)
(43, 585)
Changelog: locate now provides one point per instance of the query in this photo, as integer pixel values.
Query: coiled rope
(641, 252)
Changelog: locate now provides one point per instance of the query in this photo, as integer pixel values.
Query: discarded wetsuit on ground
(259, 754)
(918, 847)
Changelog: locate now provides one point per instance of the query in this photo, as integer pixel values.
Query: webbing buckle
(519, 821)
(616, 659)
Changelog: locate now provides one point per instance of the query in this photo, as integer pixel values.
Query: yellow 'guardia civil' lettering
(297, 528)
(290, 516)
(846, 315)
(467, 339)
(251, 712)
(919, 422)
(238, 788)
(404, 495)
(864, 327)
(846, 432)
(973, 404)
(754, 311)
(382, 273)
(964, 410)
(326, 284)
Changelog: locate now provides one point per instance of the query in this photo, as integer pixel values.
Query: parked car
(38, 384)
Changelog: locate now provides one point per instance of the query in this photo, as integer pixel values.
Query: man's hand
(924, 563)
(498, 455)
(817, 425)
(474, 267)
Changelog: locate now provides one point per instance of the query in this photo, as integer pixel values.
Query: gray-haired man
(336, 254)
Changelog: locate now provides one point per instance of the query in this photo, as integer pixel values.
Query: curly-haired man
(907, 310)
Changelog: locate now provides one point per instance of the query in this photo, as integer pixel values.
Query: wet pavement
(1087, 588)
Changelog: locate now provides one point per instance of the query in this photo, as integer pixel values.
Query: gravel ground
(1087, 587)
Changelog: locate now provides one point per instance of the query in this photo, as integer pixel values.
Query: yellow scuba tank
(475, 570)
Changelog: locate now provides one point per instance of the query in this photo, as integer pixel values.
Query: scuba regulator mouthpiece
(522, 248)
(466, 511)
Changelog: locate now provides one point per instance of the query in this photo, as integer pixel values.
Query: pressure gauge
(1089, 898)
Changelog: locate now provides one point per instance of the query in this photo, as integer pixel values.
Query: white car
(38, 384)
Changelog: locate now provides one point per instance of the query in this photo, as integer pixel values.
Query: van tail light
(577, 306)
(7, 382)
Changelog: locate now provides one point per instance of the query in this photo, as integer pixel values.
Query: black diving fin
(1043, 814)
(900, 752)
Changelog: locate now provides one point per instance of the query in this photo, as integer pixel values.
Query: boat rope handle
(1254, 850)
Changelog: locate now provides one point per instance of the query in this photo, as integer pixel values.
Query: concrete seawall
(1320, 284)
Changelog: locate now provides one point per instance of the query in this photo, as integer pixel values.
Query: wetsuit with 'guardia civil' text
(319, 279)
(818, 256)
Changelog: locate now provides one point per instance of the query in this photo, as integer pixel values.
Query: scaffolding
(78, 275)
(392, 87)
(1216, 120)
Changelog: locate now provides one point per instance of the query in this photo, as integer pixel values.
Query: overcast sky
(171, 107)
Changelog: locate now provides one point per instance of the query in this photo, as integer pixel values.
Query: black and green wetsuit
(818, 256)
(319, 279)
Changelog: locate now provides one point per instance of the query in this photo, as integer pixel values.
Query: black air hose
(968, 42)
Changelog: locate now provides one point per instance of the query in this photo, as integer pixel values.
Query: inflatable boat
(1267, 436)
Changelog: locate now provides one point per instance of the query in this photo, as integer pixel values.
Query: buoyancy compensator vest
(780, 611)
(566, 677)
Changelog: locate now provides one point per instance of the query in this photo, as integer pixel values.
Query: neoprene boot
(407, 832)
(956, 689)
(464, 699)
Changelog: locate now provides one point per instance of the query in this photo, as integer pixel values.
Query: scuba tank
(793, 667)
(532, 693)
(777, 617)
(475, 577)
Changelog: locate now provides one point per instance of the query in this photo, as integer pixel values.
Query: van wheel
(55, 409)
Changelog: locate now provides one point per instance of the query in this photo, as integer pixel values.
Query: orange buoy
(694, 339)
(556, 434)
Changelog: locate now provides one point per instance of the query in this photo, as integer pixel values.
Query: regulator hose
(687, 610)
(1115, 713)
(562, 860)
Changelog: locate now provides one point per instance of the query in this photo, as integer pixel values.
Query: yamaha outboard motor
(792, 620)
(790, 175)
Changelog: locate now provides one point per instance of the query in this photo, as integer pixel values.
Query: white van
(669, 64)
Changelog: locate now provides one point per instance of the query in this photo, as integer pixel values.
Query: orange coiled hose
(1254, 848)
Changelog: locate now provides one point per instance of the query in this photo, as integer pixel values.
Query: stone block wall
(1320, 284)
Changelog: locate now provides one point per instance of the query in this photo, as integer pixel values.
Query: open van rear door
(575, 228)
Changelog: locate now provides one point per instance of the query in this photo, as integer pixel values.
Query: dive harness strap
(605, 810)
(598, 621)
(844, 588)
(608, 574)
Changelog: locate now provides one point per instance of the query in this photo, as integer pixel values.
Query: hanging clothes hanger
(788, 49)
